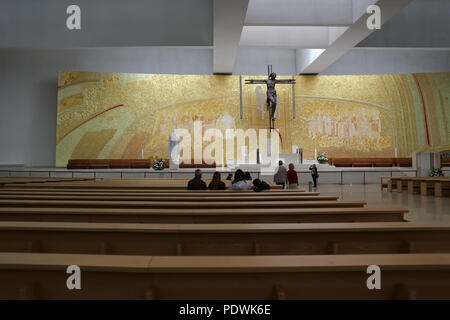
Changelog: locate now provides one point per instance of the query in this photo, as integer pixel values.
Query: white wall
(254, 61)
(373, 61)
(106, 23)
(422, 23)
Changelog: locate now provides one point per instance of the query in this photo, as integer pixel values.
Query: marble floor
(421, 208)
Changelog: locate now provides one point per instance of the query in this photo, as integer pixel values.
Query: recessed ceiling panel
(299, 13)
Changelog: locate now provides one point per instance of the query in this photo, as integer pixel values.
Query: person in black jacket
(259, 185)
(314, 174)
(197, 183)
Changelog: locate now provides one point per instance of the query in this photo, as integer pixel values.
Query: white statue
(174, 148)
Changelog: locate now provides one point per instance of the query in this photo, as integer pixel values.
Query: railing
(147, 173)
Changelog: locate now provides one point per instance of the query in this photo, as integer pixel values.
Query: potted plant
(158, 164)
(436, 173)
(322, 158)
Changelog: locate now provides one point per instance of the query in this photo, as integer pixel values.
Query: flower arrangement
(322, 158)
(436, 173)
(158, 164)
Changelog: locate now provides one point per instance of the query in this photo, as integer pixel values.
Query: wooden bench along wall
(438, 186)
(445, 162)
(370, 162)
(183, 215)
(131, 163)
(405, 276)
(389, 183)
(197, 164)
(224, 239)
(75, 164)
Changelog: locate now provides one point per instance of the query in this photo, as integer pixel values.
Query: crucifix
(272, 97)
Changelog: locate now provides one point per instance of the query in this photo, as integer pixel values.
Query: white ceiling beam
(229, 16)
(352, 36)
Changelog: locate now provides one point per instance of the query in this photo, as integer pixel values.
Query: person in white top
(239, 182)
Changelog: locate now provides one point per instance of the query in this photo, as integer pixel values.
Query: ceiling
(322, 31)
(319, 32)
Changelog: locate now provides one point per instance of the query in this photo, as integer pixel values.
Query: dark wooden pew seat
(76, 164)
(206, 215)
(370, 162)
(43, 276)
(437, 186)
(176, 185)
(149, 198)
(224, 239)
(181, 204)
(159, 193)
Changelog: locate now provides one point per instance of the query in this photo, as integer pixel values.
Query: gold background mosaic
(125, 116)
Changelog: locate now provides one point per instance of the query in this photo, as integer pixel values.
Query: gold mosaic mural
(119, 115)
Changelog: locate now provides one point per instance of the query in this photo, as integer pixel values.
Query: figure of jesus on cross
(272, 98)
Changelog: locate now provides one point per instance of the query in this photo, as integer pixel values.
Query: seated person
(239, 182)
(197, 183)
(259, 185)
(230, 177)
(292, 177)
(281, 176)
(248, 176)
(216, 183)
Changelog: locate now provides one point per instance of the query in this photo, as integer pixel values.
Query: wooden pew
(224, 239)
(36, 180)
(190, 198)
(442, 188)
(112, 163)
(391, 184)
(371, 162)
(43, 276)
(399, 182)
(403, 162)
(445, 161)
(278, 192)
(207, 215)
(384, 182)
(160, 193)
(169, 186)
(424, 185)
(41, 179)
(413, 186)
(180, 204)
(109, 163)
(131, 182)
(428, 185)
